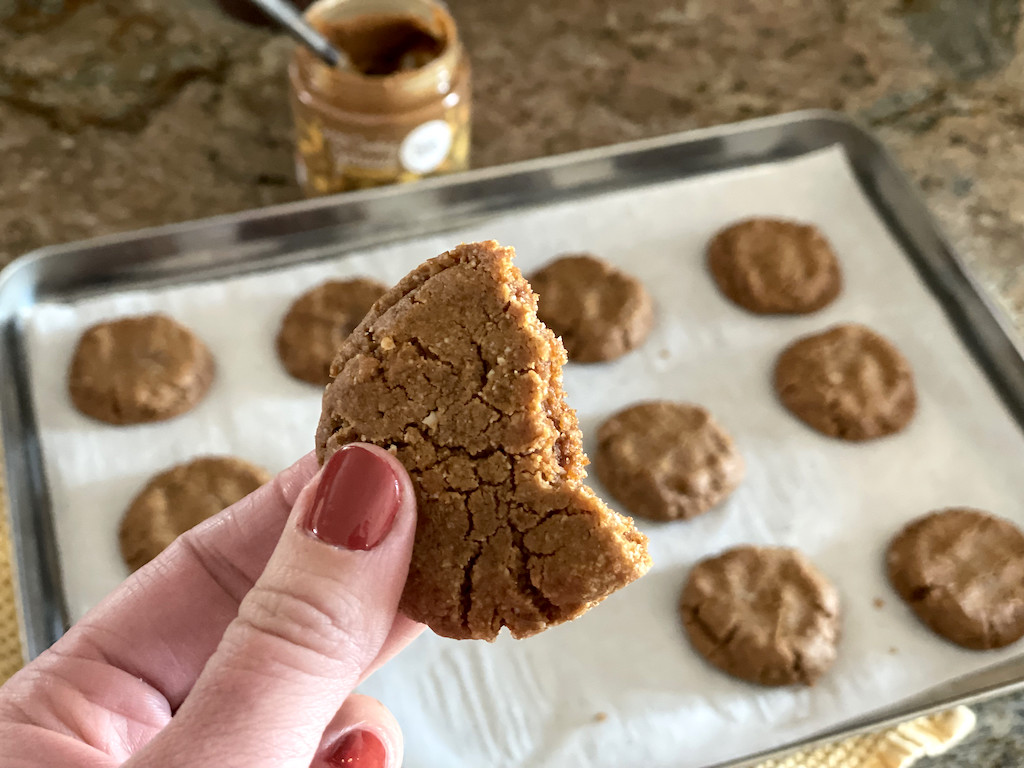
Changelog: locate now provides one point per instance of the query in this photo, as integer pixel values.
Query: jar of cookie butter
(399, 110)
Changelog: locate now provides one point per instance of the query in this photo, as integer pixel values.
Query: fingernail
(356, 501)
(359, 749)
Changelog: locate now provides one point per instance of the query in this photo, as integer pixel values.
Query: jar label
(426, 146)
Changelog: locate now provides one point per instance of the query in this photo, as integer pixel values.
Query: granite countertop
(119, 114)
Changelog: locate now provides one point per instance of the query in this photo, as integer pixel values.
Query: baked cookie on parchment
(762, 614)
(599, 311)
(139, 369)
(847, 382)
(775, 267)
(180, 498)
(667, 461)
(318, 321)
(962, 572)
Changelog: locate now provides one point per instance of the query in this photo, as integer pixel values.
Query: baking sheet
(620, 686)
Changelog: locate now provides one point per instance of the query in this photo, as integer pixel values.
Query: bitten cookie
(180, 498)
(962, 572)
(775, 267)
(762, 614)
(667, 461)
(139, 369)
(454, 373)
(847, 382)
(318, 321)
(600, 312)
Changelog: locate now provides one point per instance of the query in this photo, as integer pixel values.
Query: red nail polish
(359, 749)
(356, 501)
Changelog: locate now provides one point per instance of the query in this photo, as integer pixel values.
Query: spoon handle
(290, 18)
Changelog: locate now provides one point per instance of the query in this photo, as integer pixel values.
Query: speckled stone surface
(118, 114)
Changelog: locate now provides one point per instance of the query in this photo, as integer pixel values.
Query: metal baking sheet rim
(273, 237)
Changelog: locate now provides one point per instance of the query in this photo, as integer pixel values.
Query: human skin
(242, 643)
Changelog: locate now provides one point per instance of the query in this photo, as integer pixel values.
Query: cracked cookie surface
(454, 373)
(847, 382)
(962, 572)
(180, 498)
(139, 369)
(667, 461)
(762, 614)
(599, 311)
(774, 266)
(319, 321)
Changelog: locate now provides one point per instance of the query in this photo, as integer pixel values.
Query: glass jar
(400, 112)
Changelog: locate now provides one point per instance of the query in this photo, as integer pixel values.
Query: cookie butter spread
(398, 110)
(385, 43)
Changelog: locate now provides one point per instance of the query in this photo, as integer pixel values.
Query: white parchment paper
(537, 702)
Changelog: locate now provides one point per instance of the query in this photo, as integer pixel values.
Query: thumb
(313, 622)
(364, 734)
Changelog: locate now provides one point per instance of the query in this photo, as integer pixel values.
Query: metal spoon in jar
(289, 17)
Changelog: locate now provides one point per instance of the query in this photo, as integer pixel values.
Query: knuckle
(322, 626)
(226, 575)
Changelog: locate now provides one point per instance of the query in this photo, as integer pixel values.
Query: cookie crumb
(878, 602)
(893, 650)
(600, 717)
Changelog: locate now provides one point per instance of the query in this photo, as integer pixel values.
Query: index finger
(165, 621)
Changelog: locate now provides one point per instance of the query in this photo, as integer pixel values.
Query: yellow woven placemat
(10, 639)
(895, 748)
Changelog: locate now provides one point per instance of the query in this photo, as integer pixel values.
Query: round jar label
(426, 146)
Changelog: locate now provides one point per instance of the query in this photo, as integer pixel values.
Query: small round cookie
(600, 312)
(847, 382)
(180, 498)
(138, 370)
(762, 614)
(775, 267)
(318, 321)
(962, 572)
(667, 461)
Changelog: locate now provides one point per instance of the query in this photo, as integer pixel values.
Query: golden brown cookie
(962, 572)
(847, 382)
(775, 267)
(762, 614)
(318, 321)
(454, 373)
(139, 369)
(600, 312)
(667, 461)
(180, 498)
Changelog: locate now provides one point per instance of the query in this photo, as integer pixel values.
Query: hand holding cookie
(252, 629)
